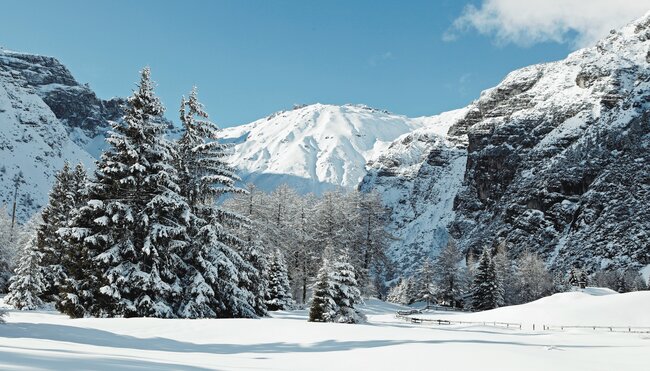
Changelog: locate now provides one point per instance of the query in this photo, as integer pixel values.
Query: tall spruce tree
(216, 275)
(279, 290)
(133, 227)
(485, 288)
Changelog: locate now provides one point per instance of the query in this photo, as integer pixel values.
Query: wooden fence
(407, 316)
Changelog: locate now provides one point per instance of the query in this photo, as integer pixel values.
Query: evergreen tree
(216, 275)
(279, 290)
(66, 195)
(450, 276)
(323, 308)
(133, 228)
(485, 288)
(7, 249)
(27, 285)
(256, 281)
(346, 291)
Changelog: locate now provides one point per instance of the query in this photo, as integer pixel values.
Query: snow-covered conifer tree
(27, 285)
(323, 307)
(216, 275)
(133, 227)
(7, 249)
(279, 290)
(486, 293)
(346, 294)
(67, 194)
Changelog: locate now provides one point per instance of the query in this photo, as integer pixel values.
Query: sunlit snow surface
(47, 340)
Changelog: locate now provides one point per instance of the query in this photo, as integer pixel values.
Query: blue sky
(252, 58)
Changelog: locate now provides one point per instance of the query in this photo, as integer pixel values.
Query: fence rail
(632, 329)
(407, 316)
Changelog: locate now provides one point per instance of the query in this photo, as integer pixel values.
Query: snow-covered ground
(47, 340)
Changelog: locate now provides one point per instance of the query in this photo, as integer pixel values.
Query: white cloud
(526, 22)
(378, 58)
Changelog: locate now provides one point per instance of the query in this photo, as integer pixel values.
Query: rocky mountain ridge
(557, 163)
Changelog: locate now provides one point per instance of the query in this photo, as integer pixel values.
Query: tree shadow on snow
(48, 359)
(108, 339)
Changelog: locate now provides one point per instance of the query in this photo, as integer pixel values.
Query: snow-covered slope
(314, 147)
(40, 340)
(46, 117)
(418, 176)
(557, 161)
(592, 306)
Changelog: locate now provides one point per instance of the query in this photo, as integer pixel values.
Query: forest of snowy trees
(162, 229)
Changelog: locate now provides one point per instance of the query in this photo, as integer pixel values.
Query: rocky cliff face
(46, 118)
(557, 160)
(418, 176)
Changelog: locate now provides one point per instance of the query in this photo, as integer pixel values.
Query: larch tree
(450, 275)
(533, 280)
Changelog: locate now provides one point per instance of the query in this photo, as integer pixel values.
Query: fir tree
(7, 249)
(323, 308)
(133, 227)
(279, 290)
(216, 275)
(485, 288)
(256, 280)
(27, 285)
(67, 194)
(343, 279)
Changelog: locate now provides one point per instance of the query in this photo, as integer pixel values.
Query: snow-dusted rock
(46, 117)
(557, 163)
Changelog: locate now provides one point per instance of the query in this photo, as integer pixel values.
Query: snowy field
(50, 341)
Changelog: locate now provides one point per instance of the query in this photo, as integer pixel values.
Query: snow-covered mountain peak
(315, 147)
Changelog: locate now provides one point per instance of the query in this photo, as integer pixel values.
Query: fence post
(533, 327)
